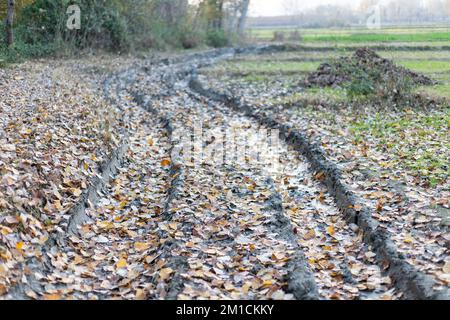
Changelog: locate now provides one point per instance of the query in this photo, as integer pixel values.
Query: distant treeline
(390, 12)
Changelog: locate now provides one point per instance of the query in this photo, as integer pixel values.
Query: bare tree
(245, 4)
(171, 11)
(9, 23)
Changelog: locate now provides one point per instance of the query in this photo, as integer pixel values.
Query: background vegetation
(120, 26)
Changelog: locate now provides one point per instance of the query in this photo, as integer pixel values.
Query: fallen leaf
(140, 295)
(330, 230)
(122, 263)
(140, 246)
(19, 245)
(309, 235)
(76, 192)
(446, 267)
(165, 163)
(165, 273)
(52, 297)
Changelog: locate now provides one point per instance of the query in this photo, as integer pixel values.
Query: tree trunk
(9, 23)
(243, 17)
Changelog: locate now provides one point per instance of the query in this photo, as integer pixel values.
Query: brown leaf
(165, 273)
(309, 235)
(165, 163)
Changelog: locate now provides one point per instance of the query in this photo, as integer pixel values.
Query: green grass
(260, 71)
(354, 45)
(436, 36)
(378, 37)
(268, 33)
(358, 33)
(258, 68)
(416, 141)
(415, 55)
(256, 71)
(426, 66)
(440, 91)
(332, 95)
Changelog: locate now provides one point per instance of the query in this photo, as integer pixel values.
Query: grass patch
(438, 91)
(415, 141)
(378, 37)
(267, 33)
(270, 67)
(312, 96)
(416, 55)
(425, 66)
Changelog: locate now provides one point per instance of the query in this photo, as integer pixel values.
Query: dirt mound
(365, 63)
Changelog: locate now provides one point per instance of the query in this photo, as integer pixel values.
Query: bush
(101, 24)
(295, 36)
(217, 38)
(278, 36)
(113, 25)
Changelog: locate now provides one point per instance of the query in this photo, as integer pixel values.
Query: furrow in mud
(354, 277)
(77, 215)
(411, 282)
(175, 264)
(344, 268)
(222, 222)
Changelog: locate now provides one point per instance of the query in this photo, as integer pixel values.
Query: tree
(229, 15)
(170, 11)
(9, 23)
(245, 4)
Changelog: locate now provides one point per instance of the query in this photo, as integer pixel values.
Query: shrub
(101, 24)
(217, 38)
(278, 36)
(295, 36)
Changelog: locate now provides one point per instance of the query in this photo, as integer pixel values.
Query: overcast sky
(278, 7)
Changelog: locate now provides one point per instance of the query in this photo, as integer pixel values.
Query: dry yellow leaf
(330, 230)
(165, 273)
(150, 142)
(76, 192)
(229, 286)
(165, 163)
(310, 234)
(122, 263)
(123, 204)
(408, 239)
(140, 246)
(246, 287)
(267, 283)
(52, 297)
(140, 295)
(2, 270)
(19, 245)
(322, 197)
(173, 225)
(446, 267)
(190, 244)
(58, 205)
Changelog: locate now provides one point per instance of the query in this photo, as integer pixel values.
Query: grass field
(434, 64)
(268, 32)
(438, 36)
(425, 56)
